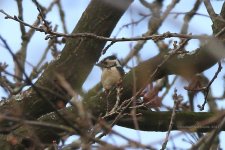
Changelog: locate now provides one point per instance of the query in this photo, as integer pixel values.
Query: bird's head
(109, 62)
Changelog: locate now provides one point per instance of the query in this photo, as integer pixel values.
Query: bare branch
(172, 119)
(62, 16)
(189, 16)
(210, 10)
(20, 16)
(91, 35)
(206, 89)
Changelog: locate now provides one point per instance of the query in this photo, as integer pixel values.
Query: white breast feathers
(110, 77)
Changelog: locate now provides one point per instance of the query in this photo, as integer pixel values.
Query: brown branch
(98, 37)
(126, 103)
(207, 88)
(176, 103)
(146, 4)
(144, 16)
(51, 43)
(210, 10)
(34, 123)
(62, 16)
(189, 15)
(20, 16)
(46, 25)
(185, 121)
(75, 55)
(75, 62)
(206, 141)
(154, 24)
(40, 94)
(108, 129)
(202, 121)
(26, 37)
(186, 65)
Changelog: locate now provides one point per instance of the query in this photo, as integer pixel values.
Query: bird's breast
(110, 77)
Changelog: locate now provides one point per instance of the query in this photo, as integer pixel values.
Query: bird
(112, 72)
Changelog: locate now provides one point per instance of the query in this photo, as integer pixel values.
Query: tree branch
(76, 61)
(78, 58)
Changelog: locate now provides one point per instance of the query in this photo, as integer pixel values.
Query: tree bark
(79, 56)
(75, 62)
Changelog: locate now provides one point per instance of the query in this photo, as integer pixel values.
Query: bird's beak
(98, 64)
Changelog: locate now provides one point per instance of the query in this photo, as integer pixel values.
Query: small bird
(112, 72)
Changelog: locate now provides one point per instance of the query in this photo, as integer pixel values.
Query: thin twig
(29, 82)
(20, 16)
(220, 32)
(52, 34)
(176, 101)
(207, 88)
(189, 15)
(144, 16)
(132, 142)
(128, 102)
(68, 88)
(26, 37)
(45, 24)
(206, 141)
(107, 47)
(169, 86)
(62, 15)
(134, 110)
(157, 21)
(38, 123)
(51, 42)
